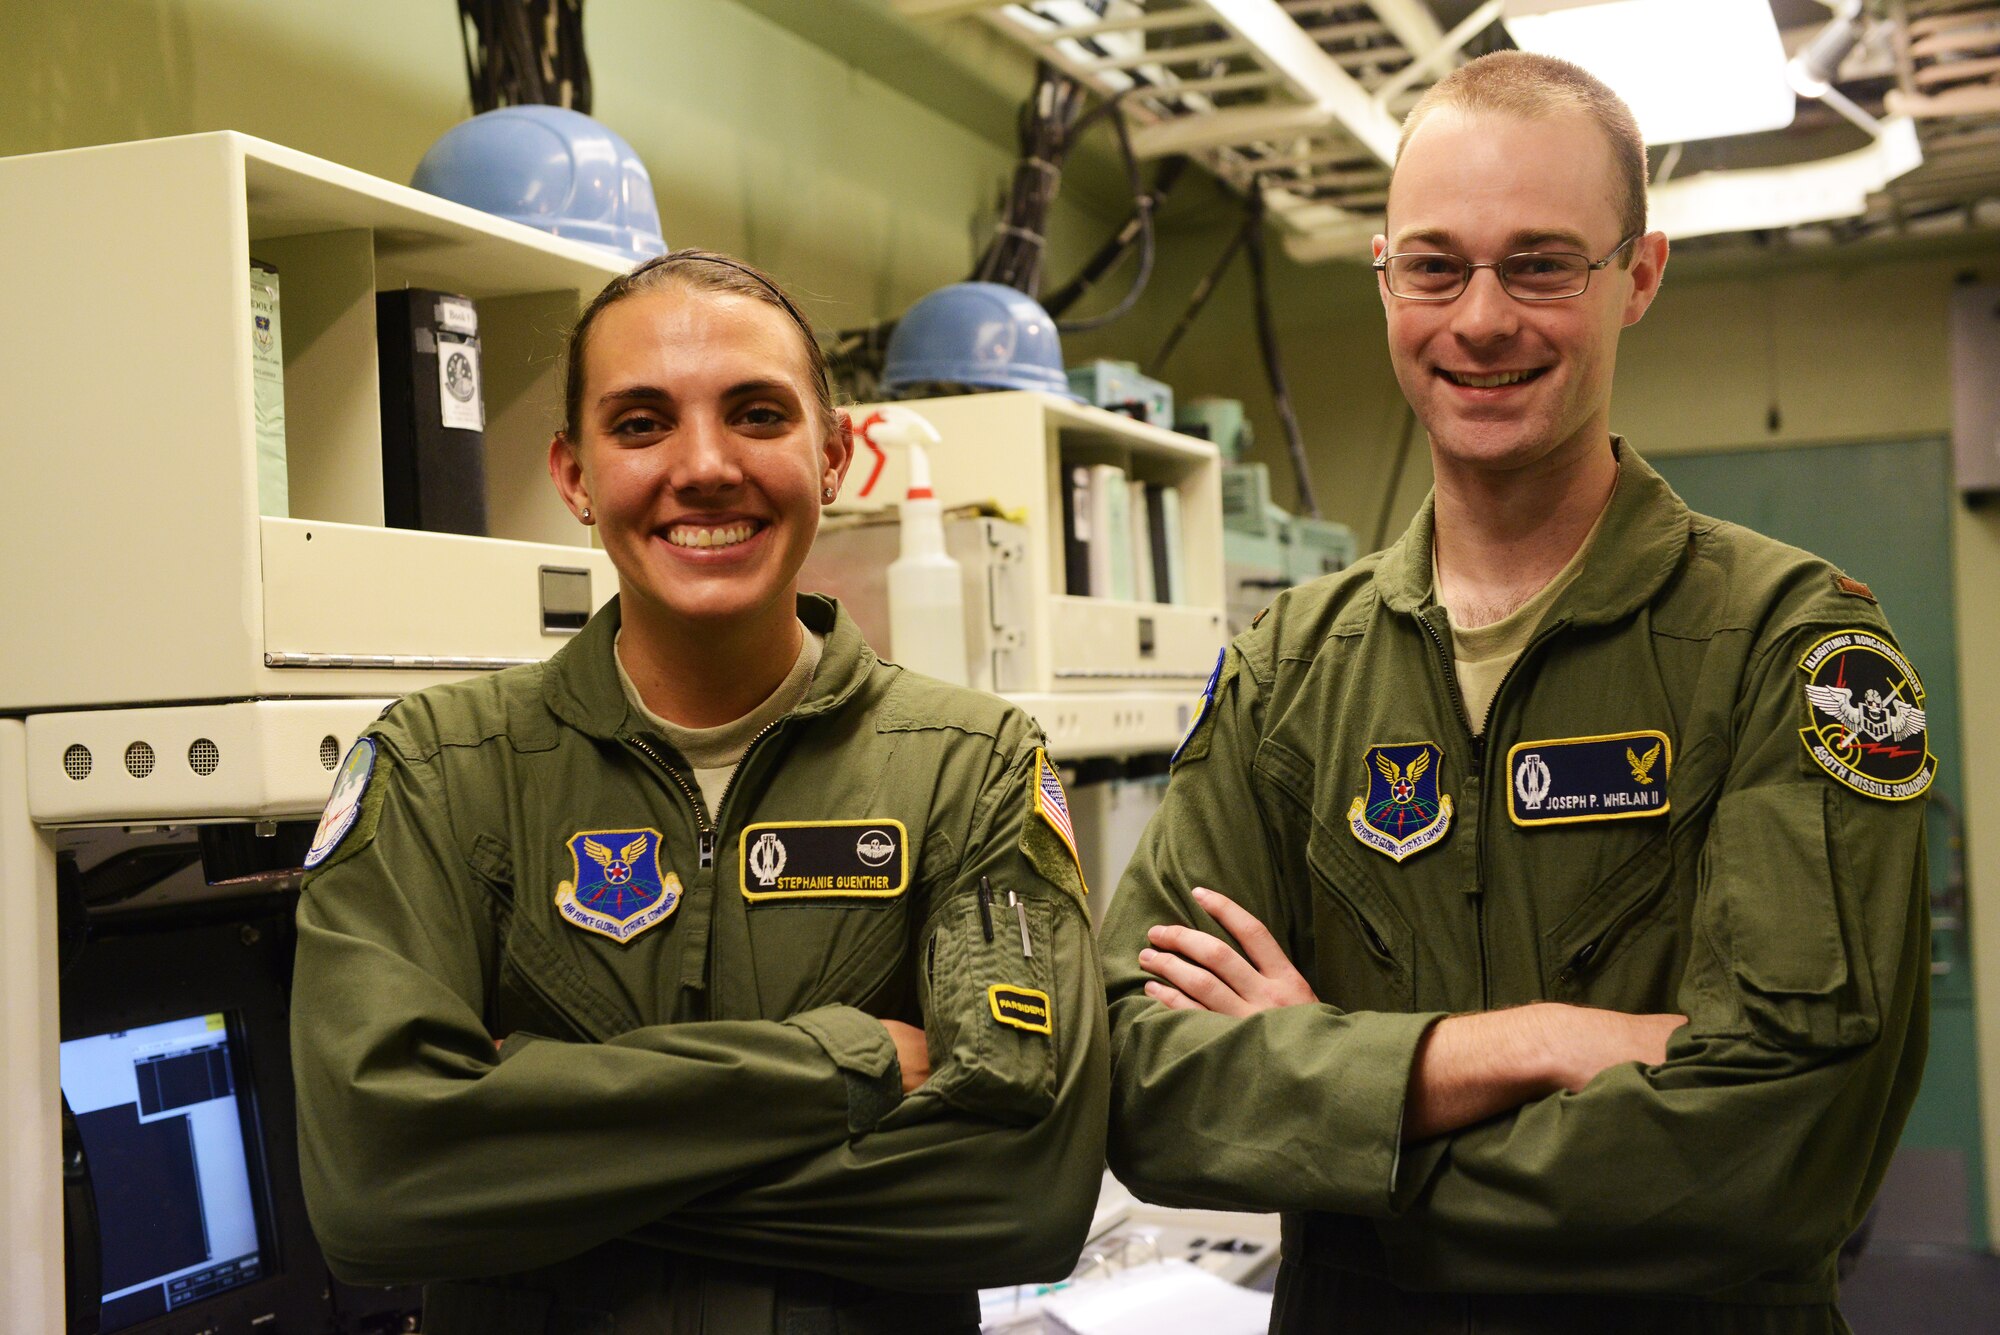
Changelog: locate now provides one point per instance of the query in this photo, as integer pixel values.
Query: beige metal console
(1111, 677)
(174, 657)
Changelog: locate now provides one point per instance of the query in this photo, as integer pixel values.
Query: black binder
(1076, 532)
(433, 416)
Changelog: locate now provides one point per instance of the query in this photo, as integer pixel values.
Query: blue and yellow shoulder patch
(619, 890)
(1403, 812)
(1204, 710)
(1864, 716)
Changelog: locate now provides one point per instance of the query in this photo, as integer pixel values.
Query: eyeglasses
(1532, 275)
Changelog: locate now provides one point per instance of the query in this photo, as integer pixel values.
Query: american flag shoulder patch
(1052, 805)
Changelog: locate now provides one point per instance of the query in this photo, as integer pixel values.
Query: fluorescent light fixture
(1746, 199)
(1689, 69)
(1789, 196)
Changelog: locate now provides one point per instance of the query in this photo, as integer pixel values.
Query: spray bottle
(926, 592)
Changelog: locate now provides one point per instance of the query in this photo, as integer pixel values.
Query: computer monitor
(170, 1133)
(176, 1063)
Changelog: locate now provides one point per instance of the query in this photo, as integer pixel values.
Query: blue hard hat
(554, 169)
(982, 334)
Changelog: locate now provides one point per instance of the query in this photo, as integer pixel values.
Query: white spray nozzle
(902, 428)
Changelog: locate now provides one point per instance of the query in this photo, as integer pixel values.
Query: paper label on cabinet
(458, 383)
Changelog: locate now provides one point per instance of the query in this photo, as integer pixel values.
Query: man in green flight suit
(1590, 824)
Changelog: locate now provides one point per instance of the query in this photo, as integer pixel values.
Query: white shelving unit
(1110, 677)
(130, 439)
(174, 656)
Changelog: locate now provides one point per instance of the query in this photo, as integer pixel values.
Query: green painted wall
(863, 194)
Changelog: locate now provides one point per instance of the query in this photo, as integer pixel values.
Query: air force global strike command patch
(619, 890)
(1569, 779)
(1865, 716)
(808, 861)
(1403, 811)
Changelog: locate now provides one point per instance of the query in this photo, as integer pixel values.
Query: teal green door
(1882, 513)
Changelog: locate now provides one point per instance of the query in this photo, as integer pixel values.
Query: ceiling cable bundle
(1050, 120)
(1249, 239)
(525, 53)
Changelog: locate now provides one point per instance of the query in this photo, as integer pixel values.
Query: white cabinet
(1110, 676)
(139, 568)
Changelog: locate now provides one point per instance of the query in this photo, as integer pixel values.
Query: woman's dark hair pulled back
(701, 271)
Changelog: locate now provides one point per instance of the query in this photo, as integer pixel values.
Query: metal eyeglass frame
(1590, 267)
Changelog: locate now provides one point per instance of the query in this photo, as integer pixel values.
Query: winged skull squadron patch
(619, 889)
(1403, 811)
(1865, 716)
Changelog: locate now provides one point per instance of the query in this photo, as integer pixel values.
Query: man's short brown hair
(1521, 83)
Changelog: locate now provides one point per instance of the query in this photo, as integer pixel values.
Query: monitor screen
(163, 1123)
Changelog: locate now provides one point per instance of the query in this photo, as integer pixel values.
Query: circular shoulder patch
(343, 808)
(1865, 716)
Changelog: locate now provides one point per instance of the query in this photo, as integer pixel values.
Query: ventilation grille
(139, 760)
(204, 756)
(76, 761)
(329, 751)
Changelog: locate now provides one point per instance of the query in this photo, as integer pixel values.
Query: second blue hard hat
(553, 169)
(985, 335)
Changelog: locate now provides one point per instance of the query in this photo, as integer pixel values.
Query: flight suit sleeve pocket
(1780, 915)
(990, 1010)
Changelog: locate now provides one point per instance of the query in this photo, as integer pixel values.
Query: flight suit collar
(1640, 544)
(581, 686)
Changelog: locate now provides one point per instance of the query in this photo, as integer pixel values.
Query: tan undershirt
(714, 753)
(1482, 656)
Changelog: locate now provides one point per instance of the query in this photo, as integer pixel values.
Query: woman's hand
(913, 1052)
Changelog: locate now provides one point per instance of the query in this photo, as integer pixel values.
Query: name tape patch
(1564, 780)
(799, 861)
(1020, 1007)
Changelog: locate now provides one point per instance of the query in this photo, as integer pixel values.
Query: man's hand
(1202, 972)
(913, 1052)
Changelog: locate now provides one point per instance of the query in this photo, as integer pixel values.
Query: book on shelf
(1139, 528)
(1163, 521)
(433, 413)
(1076, 517)
(267, 382)
(1110, 526)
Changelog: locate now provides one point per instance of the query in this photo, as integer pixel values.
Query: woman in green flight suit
(714, 975)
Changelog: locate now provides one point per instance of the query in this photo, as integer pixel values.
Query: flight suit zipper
(1478, 745)
(704, 828)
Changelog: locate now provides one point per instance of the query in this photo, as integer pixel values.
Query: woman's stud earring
(826, 494)
(586, 514)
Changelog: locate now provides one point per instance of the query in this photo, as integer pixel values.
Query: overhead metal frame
(1299, 99)
(1302, 100)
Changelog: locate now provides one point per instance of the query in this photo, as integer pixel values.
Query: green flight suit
(1783, 912)
(699, 1127)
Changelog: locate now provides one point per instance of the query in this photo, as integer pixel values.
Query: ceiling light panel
(1689, 69)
